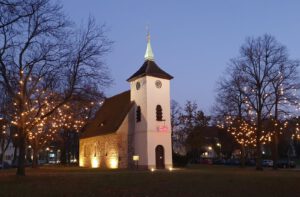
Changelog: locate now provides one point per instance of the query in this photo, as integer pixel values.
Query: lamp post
(220, 146)
(210, 152)
(47, 154)
(136, 159)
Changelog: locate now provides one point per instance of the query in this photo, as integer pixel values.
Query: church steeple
(150, 68)
(150, 96)
(149, 54)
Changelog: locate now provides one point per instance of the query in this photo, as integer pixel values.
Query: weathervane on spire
(149, 54)
(148, 33)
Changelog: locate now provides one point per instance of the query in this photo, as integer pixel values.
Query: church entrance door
(160, 157)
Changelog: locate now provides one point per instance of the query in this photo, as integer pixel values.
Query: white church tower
(150, 90)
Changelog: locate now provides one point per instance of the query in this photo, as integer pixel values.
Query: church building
(132, 129)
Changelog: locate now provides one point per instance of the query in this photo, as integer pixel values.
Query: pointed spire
(149, 54)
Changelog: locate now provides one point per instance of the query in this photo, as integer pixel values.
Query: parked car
(233, 162)
(286, 164)
(267, 163)
(206, 161)
(218, 161)
(15, 164)
(250, 162)
(5, 165)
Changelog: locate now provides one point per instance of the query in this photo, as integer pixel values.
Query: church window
(95, 151)
(159, 115)
(106, 148)
(138, 85)
(138, 114)
(85, 151)
(98, 145)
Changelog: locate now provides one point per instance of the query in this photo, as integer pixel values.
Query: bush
(179, 160)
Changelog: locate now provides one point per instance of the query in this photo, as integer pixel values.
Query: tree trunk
(1, 159)
(35, 158)
(14, 161)
(258, 156)
(35, 150)
(63, 159)
(258, 144)
(275, 150)
(69, 157)
(21, 160)
(276, 134)
(242, 155)
(2, 153)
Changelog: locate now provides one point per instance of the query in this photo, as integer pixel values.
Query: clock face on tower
(138, 85)
(158, 83)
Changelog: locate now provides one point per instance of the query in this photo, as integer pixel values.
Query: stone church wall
(126, 132)
(110, 150)
(99, 152)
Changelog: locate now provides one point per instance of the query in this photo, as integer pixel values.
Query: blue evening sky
(191, 40)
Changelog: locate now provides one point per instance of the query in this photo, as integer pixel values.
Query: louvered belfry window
(159, 114)
(138, 114)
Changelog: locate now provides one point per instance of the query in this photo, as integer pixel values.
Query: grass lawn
(194, 181)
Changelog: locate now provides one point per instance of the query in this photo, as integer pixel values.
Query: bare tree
(68, 119)
(45, 62)
(6, 131)
(261, 64)
(231, 111)
(175, 124)
(192, 122)
(4, 139)
(13, 10)
(284, 83)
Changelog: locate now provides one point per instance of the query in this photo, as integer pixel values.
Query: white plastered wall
(158, 96)
(147, 134)
(140, 134)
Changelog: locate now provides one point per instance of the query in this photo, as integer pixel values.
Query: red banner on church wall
(162, 129)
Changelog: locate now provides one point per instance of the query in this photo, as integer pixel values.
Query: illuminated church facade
(132, 129)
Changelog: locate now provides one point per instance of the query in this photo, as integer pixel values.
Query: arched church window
(86, 150)
(95, 150)
(138, 114)
(159, 115)
(106, 148)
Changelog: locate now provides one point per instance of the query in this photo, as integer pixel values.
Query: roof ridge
(124, 92)
(148, 66)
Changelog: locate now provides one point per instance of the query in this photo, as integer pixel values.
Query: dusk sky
(191, 40)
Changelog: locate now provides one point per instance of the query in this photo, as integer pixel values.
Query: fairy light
(41, 127)
(243, 132)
